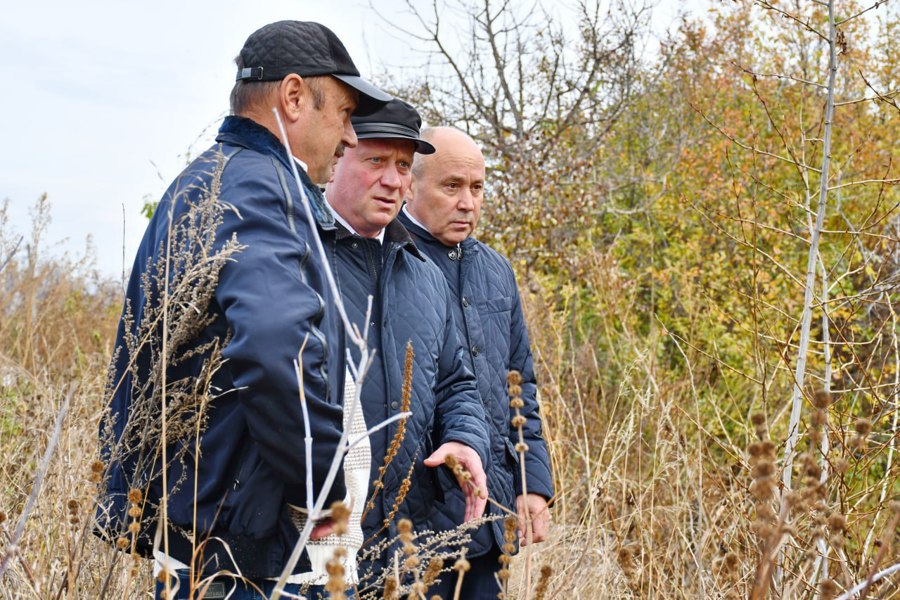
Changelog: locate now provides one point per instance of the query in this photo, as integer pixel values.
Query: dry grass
(658, 481)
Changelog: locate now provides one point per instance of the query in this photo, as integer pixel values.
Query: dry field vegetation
(710, 268)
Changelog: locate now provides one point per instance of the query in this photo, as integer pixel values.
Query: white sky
(102, 100)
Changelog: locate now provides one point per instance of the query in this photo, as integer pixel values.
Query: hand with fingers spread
(469, 463)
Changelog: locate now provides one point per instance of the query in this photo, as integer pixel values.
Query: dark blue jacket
(410, 303)
(489, 315)
(269, 299)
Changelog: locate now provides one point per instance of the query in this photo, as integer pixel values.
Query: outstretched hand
(474, 489)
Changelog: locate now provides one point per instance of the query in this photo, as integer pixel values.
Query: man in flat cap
(204, 439)
(374, 257)
(442, 211)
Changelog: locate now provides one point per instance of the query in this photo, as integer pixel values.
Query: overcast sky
(102, 100)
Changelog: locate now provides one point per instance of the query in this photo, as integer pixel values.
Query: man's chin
(322, 175)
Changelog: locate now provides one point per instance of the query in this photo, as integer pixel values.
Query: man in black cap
(374, 257)
(224, 295)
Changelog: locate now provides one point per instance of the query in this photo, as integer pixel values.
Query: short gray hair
(247, 94)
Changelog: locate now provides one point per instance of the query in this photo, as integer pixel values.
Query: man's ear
(411, 192)
(292, 96)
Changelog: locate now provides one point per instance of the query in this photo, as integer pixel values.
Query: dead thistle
(510, 528)
(543, 583)
(336, 585)
(399, 434)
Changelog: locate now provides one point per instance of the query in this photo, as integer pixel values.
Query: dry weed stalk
(183, 279)
(514, 381)
(413, 568)
(397, 440)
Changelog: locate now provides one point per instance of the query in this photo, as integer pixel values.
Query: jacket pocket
(495, 305)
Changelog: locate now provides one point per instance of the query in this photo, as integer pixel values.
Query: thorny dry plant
(182, 281)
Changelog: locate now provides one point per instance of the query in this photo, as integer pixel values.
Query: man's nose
(349, 137)
(465, 201)
(390, 177)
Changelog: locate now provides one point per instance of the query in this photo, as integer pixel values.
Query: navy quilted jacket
(269, 298)
(489, 316)
(410, 302)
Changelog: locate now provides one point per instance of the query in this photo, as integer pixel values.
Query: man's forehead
(457, 166)
(387, 145)
(344, 91)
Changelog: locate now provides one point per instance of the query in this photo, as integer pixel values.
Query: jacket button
(465, 302)
(354, 245)
(395, 405)
(475, 351)
(452, 254)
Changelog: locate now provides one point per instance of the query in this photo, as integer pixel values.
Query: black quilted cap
(395, 120)
(309, 50)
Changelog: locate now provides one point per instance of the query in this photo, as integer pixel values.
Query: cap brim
(370, 97)
(422, 147)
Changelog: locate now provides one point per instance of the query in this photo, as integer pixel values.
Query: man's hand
(540, 517)
(323, 528)
(469, 460)
(335, 520)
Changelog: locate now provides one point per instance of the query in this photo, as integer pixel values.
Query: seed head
(863, 427)
(461, 565)
(434, 569)
(391, 586)
(340, 515)
(828, 588)
(510, 526)
(817, 419)
(763, 468)
(404, 526)
(821, 399)
(543, 582)
(135, 495)
(837, 522)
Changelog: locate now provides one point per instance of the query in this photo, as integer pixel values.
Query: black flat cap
(309, 50)
(395, 120)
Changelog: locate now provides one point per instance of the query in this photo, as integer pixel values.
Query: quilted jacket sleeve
(272, 311)
(459, 412)
(537, 459)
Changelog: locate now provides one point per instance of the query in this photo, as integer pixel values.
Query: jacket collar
(468, 245)
(244, 132)
(394, 233)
